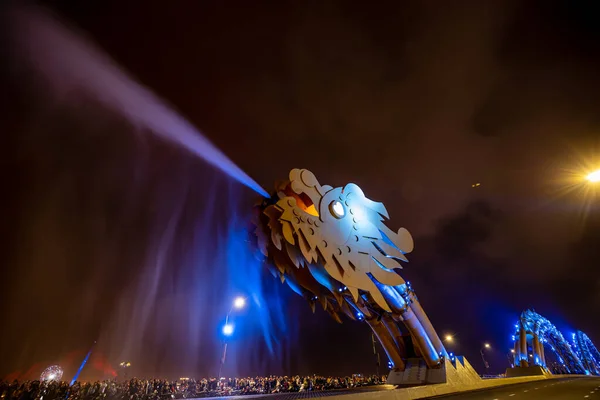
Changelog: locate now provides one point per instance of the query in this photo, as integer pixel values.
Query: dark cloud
(458, 237)
(547, 56)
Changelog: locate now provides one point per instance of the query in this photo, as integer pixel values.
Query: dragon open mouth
(303, 201)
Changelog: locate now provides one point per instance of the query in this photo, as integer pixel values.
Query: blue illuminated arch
(534, 334)
(587, 352)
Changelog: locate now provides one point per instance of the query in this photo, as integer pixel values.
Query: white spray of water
(69, 62)
(196, 256)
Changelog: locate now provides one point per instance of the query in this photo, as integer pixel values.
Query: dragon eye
(337, 209)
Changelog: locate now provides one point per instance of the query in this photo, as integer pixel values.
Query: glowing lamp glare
(227, 329)
(594, 176)
(239, 302)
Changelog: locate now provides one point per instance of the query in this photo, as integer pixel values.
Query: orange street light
(593, 177)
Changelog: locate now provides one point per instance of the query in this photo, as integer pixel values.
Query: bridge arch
(535, 334)
(587, 352)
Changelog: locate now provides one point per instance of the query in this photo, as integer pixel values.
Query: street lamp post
(125, 365)
(238, 303)
(485, 363)
(511, 358)
(448, 342)
(375, 352)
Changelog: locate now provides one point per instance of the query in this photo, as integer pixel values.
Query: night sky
(113, 235)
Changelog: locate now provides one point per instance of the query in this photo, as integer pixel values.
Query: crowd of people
(157, 389)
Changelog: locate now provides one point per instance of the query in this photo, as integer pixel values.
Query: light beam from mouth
(68, 62)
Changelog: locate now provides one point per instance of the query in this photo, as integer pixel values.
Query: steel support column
(517, 354)
(421, 339)
(396, 333)
(523, 343)
(543, 354)
(535, 345)
(427, 326)
(386, 340)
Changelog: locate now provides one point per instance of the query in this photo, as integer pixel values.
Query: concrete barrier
(419, 392)
(458, 381)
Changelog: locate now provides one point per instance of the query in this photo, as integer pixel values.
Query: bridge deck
(303, 395)
(496, 388)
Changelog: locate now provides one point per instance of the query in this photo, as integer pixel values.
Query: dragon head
(329, 241)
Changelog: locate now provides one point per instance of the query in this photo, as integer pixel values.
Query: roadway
(301, 395)
(551, 389)
(570, 388)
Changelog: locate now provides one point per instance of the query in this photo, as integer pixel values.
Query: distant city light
(487, 345)
(449, 338)
(239, 302)
(476, 185)
(52, 373)
(227, 329)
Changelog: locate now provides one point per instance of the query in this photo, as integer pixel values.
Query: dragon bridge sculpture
(332, 247)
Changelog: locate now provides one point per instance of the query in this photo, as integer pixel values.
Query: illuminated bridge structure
(587, 352)
(331, 246)
(535, 334)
